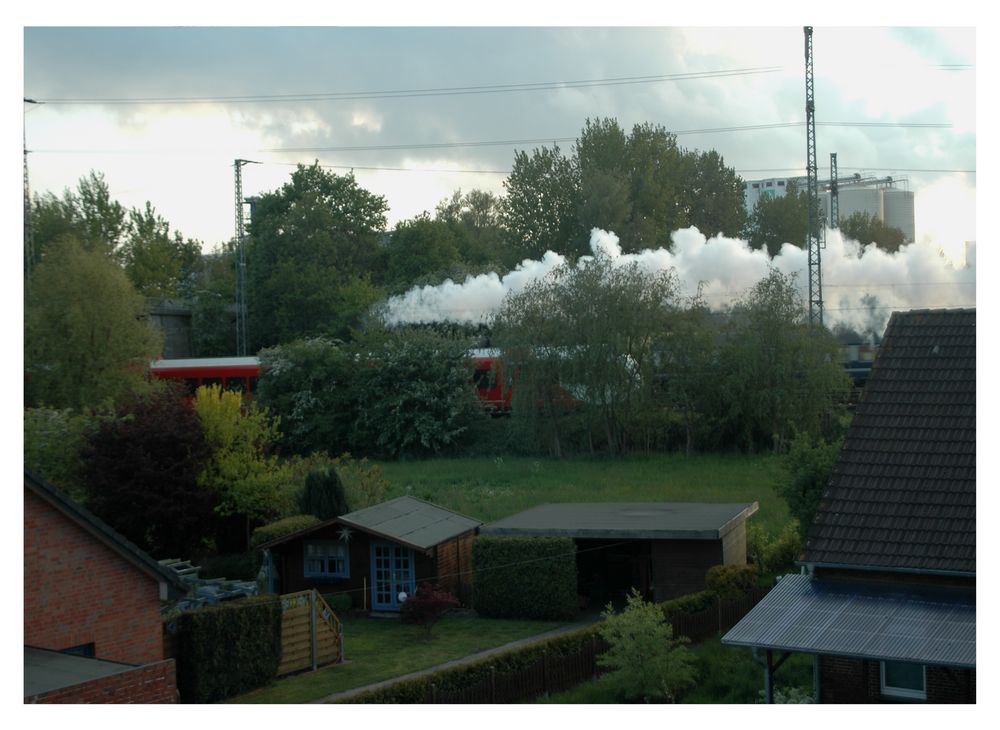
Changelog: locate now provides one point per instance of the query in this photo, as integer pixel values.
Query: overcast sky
(423, 111)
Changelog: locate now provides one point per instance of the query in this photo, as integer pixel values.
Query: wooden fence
(311, 633)
(558, 673)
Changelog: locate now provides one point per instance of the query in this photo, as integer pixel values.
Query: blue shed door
(392, 573)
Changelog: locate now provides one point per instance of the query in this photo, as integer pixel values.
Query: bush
(731, 581)
(691, 603)
(525, 577)
(241, 566)
(339, 603)
(323, 495)
(281, 528)
(426, 607)
(774, 554)
(228, 649)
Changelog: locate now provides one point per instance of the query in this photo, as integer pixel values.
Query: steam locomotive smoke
(861, 285)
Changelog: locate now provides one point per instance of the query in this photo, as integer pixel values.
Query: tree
(419, 247)
(646, 662)
(867, 228)
(426, 607)
(88, 215)
(213, 317)
(246, 479)
(586, 334)
(323, 495)
(779, 220)
(86, 339)
(52, 442)
(539, 211)
(158, 264)
(807, 465)
(475, 218)
(782, 374)
(314, 256)
(140, 474)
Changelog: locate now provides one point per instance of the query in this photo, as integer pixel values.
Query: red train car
(238, 374)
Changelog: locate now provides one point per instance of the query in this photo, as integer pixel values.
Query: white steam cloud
(859, 291)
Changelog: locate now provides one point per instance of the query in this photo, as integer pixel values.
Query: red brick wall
(77, 590)
(151, 684)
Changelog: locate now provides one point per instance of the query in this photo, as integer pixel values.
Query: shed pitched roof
(625, 520)
(902, 494)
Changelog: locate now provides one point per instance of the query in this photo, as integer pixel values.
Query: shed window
(326, 559)
(904, 680)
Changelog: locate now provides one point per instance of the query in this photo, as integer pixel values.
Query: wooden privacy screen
(311, 633)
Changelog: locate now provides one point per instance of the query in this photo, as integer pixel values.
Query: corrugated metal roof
(902, 494)
(933, 626)
(625, 520)
(413, 521)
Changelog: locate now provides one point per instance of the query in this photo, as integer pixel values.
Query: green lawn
(378, 649)
(490, 489)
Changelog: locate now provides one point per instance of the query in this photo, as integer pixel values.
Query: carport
(661, 548)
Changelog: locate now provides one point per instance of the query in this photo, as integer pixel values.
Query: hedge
(525, 577)
(228, 649)
(417, 690)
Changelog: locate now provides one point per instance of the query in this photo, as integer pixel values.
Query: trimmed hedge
(731, 581)
(416, 691)
(525, 577)
(228, 649)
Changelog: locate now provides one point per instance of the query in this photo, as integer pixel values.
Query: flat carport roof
(46, 670)
(625, 520)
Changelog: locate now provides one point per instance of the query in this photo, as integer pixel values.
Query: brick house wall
(843, 680)
(151, 684)
(77, 591)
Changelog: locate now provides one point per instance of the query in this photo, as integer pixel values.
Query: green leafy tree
(539, 209)
(52, 442)
(246, 478)
(87, 342)
(419, 247)
(140, 473)
(213, 296)
(867, 228)
(475, 218)
(808, 465)
(779, 220)
(646, 662)
(314, 255)
(782, 374)
(157, 263)
(586, 336)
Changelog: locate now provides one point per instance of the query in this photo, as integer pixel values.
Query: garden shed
(375, 554)
(663, 549)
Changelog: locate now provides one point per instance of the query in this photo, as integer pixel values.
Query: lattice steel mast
(834, 193)
(812, 193)
(241, 264)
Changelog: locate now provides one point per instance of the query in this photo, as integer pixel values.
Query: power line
(414, 93)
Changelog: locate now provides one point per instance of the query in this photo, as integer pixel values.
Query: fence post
(434, 693)
(593, 652)
(312, 627)
(493, 685)
(545, 672)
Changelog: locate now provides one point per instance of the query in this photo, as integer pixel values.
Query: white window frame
(902, 692)
(326, 550)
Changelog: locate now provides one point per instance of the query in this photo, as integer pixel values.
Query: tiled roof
(902, 495)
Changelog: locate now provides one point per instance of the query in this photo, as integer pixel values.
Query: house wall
(150, 684)
(77, 591)
(679, 566)
(844, 680)
(454, 567)
(734, 545)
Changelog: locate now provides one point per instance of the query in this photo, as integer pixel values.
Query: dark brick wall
(151, 684)
(77, 591)
(856, 681)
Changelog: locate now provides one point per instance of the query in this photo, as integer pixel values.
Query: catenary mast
(813, 243)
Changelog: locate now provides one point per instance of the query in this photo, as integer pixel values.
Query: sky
(420, 112)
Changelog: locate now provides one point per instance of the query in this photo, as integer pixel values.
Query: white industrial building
(880, 197)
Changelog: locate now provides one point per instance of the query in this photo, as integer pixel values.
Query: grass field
(489, 489)
(377, 649)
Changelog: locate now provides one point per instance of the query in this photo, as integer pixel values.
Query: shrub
(426, 607)
(339, 603)
(281, 528)
(647, 663)
(240, 566)
(323, 495)
(363, 482)
(774, 554)
(731, 581)
(228, 649)
(691, 603)
(525, 577)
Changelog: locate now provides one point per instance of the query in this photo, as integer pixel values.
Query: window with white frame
(326, 559)
(904, 680)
